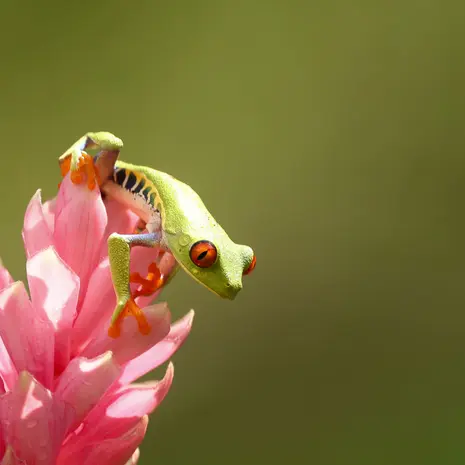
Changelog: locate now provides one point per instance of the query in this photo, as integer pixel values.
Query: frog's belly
(133, 201)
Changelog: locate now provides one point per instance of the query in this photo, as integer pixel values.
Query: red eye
(251, 266)
(203, 254)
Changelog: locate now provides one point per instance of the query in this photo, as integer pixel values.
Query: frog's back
(149, 192)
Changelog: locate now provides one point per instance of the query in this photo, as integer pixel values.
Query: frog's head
(213, 259)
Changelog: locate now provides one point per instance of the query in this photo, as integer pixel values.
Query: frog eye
(203, 254)
(251, 266)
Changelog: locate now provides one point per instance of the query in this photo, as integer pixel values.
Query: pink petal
(133, 401)
(97, 307)
(6, 454)
(135, 458)
(160, 352)
(106, 427)
(120, 220)
(10, 458)
(27, 334)
(85, 381)
(54, 291)
(34, 424)
(49, 213)
(82, 449)
(8, 371)
(36, 233)
(5, 277)
(80, 222)
(131, 342)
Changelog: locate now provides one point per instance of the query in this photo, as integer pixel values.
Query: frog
(172, 217)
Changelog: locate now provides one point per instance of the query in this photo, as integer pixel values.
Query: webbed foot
(151, 283)
(123, 310)
(84, 170)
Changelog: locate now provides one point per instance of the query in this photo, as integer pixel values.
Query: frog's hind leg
(83, 166)
(119, 249)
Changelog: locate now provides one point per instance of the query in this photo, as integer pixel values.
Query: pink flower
(67, 391)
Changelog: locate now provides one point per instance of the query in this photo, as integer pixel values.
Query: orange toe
(65, 166)
(149, 285)
(86, 171)
(76, 177)
(114, 331)
(138, 314)
(131, 309)
(91, 171)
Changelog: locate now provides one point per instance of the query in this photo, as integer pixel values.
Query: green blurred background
(327, 135)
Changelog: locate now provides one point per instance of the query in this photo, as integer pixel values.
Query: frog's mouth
(229, 291)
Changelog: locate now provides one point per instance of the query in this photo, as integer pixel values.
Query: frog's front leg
(81, 164)
(119, 250)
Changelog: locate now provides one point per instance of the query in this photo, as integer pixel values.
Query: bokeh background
(327, 135)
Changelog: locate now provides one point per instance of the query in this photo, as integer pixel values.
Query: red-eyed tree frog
(174, 218)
